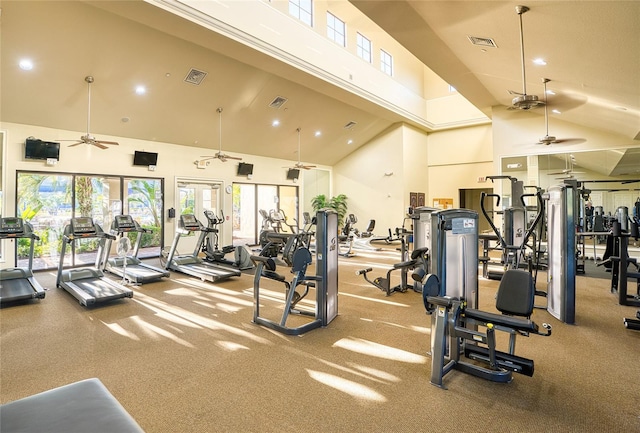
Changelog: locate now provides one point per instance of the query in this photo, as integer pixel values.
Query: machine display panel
(82, 225)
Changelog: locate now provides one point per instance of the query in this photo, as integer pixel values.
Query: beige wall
(372, 194)
(173, 161)
(457, 158)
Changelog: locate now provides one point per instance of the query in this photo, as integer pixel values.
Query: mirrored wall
(611, 177)
(2, 183)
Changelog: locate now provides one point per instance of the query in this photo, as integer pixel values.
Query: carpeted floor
(184, 356)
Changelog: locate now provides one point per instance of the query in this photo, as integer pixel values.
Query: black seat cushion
(516, 293)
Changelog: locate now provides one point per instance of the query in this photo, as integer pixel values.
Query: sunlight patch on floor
(349, 387)
(115, 327)
(155, 332)
(174, 313)
(231, 346)
(370, 348)
(383, 375)
(381, 301)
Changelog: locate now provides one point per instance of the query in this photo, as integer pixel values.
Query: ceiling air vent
(195, 76)
(350, 125)
(278, 102)
(483, 42)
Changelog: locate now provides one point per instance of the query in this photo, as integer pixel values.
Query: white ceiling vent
(350, 125)
(483, 42)
(278, 102)
(195, 76)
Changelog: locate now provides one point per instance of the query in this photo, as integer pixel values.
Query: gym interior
(288, 215)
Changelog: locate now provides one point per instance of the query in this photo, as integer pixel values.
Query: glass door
(244, 214)
(251, 201)
(195, 198)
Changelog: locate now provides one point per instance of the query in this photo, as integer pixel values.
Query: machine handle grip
(364, 271)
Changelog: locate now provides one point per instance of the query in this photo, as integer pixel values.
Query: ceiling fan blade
(233, 157)
(513, 92)
(76, 144)
(108, 142)
(570, 140)
(98, 145)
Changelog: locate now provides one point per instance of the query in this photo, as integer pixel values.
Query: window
(336, 29)
(49, 200)
(301, 9)
(364, 48)
(386, 63)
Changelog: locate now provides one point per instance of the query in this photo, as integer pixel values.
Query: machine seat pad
(516, 323)
(273, 275)
(406, 264)
(418, 252)
(85, 406)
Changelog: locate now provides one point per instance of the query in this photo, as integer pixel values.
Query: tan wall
(173, 161)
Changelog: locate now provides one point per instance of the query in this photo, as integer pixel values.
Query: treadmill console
(11, 226)
(124, 223)
(189, 222)
(82, 225)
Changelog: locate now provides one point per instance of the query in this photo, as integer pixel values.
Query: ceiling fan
(299, 164)
(523, 101)
(548, 139)
(88, 138)
(219, 155)
(568, 172)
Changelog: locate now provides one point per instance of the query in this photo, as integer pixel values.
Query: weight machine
(325, 282)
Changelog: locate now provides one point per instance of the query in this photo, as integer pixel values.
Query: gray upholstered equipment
(81, 407)
(457, 330)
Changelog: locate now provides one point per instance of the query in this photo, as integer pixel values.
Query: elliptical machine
(210, 245)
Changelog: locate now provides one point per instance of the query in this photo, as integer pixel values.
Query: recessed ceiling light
(275, 123)
(141, 90)
(26, 64)
(318, 133)
(349, 141)
(550, 92)
(539, 61)
(556, 111)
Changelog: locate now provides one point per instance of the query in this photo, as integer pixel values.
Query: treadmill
(88, 285)
(18, 283)
(135, 271)
(191, 264)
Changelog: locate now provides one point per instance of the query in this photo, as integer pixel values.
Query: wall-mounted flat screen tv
(293, 173)
(245, 169)
(145, 158)
(38, 149)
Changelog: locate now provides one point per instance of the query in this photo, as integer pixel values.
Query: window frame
(332, 32)
(360, 49)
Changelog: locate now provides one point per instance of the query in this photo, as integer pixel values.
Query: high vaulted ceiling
(592, 51)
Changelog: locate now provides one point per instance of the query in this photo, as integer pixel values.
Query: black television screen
(38, 149)
(293, 173)
(245, 169)
(145, 158)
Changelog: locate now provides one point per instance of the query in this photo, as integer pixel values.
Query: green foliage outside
(337, 203)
